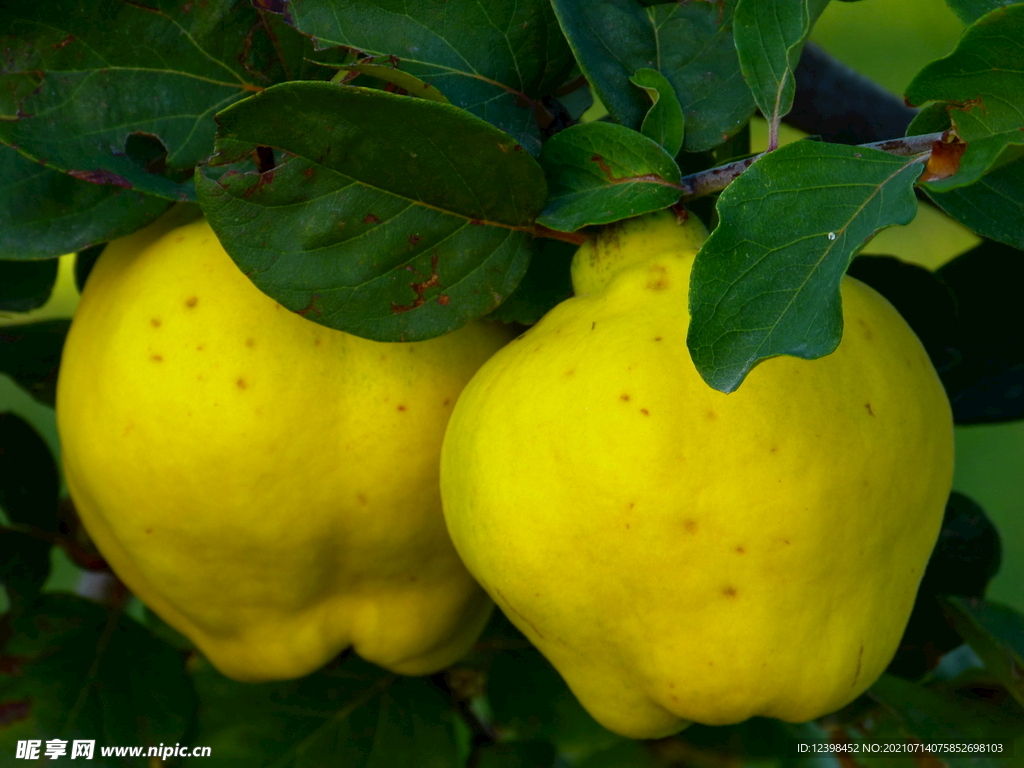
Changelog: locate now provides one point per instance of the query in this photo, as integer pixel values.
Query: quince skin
(265, 484)
(684, 555)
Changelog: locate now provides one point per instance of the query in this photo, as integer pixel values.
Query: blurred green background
(889, 41)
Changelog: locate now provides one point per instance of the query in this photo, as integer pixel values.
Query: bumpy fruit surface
(267, 485)
(680, 554)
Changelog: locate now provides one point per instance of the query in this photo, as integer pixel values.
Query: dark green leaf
(970, 11)
(81, 671)
(377, 222)
(691, 44)
(487, 57)
(547, 282)
(531, 701)
(930, 717)
(113, 73)
(29, 484)
(664, 120)
(353, 715)
(993, 206)
(767, 281)
(628, 754)
(601, 172)
(986, 382)
(26, 285)
(770, 35)
(996, 633)
(24, 566)
(47, 213)
(30, 354)
(982, 84)
(519, 754)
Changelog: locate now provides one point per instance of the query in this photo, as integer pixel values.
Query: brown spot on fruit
(157, 358)
(645, 412)
(657, 338)
(361, 498)
(250, 342)
(317, 342)
(624, 397)
(711, 415)
(241, 384)
(191, 301)
(401, 408)
(200, 348)
(729, 591)
(155, 322)
(447, 402)
(740, 550)
(868, 406)
(690, 525)
(774, 449)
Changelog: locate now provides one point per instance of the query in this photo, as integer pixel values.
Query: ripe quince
(684, 555)
(265, 484)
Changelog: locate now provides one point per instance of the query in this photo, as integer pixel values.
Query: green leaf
(767, 281)
(65, 664)
(530, 700)
(970, 11)
(996, 633)
(24, 566)
(489, 57)
(770, 36)
(517, 754)
(114, 77)
(400, 78)
(601, 172)
(547, 282)
(376, 223)
(930, 717)
(46, 213)
(664, 120)
(26, 285)
(982, 86)
(30, 354)
(628, 754)
(993, 206)
(29, 484)
(352, 714)
(691, 44)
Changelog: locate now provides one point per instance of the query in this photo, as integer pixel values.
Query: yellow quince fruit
(684, 555)
(265, 484)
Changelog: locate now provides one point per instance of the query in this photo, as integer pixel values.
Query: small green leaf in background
(970, 11)
(770, 36)
(514, 52)
(982, 84)
(664, 120)
(767, 281)
(30, 354)
(26, 285)
(65, 661)
(45, 213)
(996, 633)
(29, 484)
(691, 44)
(993, 206)
(392, 218)
(155, 71)
(601, 172)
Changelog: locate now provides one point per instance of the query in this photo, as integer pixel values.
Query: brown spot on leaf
(443, 299)
(944, 160)
(311, 307)
(420, 288)
(65, 42)
(100, 176)
(370, 219)
(413, 239)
